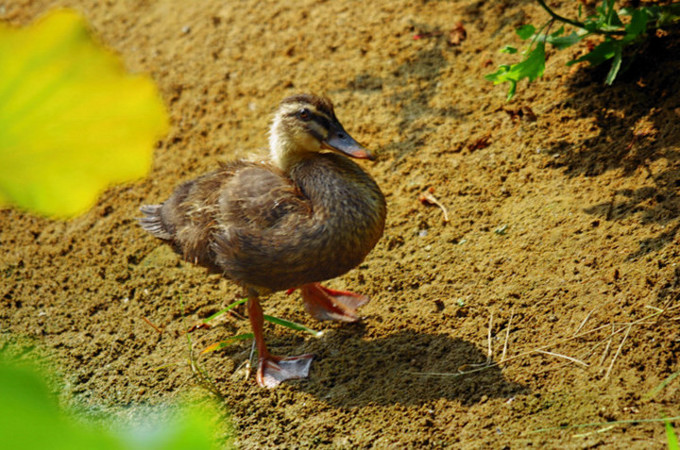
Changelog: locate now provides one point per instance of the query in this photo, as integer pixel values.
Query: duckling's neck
(280, 148)
(341, 193)
(283, 153)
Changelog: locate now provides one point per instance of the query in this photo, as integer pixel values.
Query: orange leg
(272, 370)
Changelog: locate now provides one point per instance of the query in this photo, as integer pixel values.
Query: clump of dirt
(549, 299)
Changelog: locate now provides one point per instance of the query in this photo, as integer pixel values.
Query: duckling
(308, 215)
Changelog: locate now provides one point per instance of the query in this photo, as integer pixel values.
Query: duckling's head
(306, 124)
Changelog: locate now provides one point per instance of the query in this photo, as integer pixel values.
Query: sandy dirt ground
(549, 299)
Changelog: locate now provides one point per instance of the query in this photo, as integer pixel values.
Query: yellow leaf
(72, 121)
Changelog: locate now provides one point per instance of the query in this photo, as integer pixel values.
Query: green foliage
(531, 67)
(671, 437)
(72, 121)
(618, 29)
(30, 418)
(525, 31)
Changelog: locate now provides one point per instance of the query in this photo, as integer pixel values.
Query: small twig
(489, 355)
(165, 366)
(250, 359)
(618, 351)
(585, 320)
(507, 334)
(556, 16)
(590, 352)
(578, 24)
(601, 424)
(531, 352)
(152, 325)
(559, 355)
(667, 303)
(427, 197)
(199, 326)
(609, 343)
(601, 430)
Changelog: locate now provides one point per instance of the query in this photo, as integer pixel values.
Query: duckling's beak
(340, 140)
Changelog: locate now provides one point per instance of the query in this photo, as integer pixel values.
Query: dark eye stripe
(316, 134)
(321, 120)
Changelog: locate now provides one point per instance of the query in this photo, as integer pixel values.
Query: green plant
(671, 437)
(617, 30)
(240, 337)
(31, 418)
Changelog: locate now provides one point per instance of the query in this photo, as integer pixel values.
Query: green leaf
(638, 24)
(626, 11)
(616, 65)
(525, 31)
(611, 18)
(30, 418)
(664, 16)
(606, 50)
(532, 67)
(671, 437)
(592, 25)
(562, 42)
(559, 32)
(292, 325)
(509, 49)
(72, 122)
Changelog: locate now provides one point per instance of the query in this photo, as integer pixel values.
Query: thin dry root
(427, 198)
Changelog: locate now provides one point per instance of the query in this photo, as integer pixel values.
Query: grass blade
(222, 311)
(661, 386)
(616, 65)
(292, 325)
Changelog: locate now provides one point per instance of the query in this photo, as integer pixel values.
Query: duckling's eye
(304, 114)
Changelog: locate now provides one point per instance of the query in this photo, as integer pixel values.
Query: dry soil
(549, 299)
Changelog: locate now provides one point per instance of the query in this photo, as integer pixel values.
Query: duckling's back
(238, 193)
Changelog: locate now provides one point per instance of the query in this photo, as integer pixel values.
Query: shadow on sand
(635, 123)
(351, 371)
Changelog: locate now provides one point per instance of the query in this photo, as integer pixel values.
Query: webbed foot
(328, 304)
(272, 370)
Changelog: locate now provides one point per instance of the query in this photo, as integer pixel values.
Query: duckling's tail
(153, 222)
